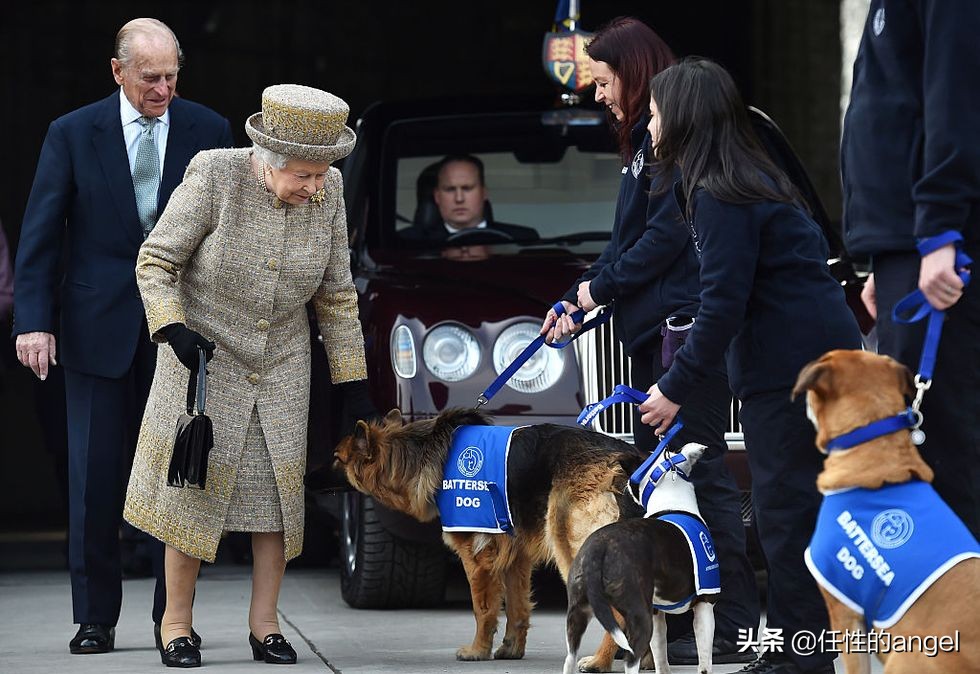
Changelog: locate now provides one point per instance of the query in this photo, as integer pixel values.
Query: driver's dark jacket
(649, 267)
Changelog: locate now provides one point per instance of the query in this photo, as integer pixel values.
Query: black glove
(185, 342)
(357, 405)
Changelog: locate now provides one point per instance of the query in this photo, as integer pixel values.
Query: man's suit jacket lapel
(110, 146)
(181, 148)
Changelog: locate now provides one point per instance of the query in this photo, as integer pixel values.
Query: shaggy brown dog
(563, 483)
(846, 390)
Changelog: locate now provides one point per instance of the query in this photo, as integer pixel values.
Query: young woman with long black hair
(768, 300)
(650, 270)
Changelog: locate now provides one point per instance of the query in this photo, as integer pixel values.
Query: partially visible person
(768, 301)
(248, 238)
(649, 271)
(910, 161)
(460, 195)
(6, 301)
(104, 172)
(6, 280)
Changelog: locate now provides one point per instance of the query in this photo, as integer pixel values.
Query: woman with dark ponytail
(769, 302)
(649, 271)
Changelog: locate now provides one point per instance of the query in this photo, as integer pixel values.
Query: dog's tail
(601, 608)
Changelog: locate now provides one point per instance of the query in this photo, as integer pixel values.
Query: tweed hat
(302, 122)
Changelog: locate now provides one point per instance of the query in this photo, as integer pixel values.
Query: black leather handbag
(195, 435)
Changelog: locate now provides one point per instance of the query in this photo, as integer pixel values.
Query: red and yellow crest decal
(564, 59)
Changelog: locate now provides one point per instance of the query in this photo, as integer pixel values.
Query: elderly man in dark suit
(105, 172)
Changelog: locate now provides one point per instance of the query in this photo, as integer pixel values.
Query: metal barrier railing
(603, 364)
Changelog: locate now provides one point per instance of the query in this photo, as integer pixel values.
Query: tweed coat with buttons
(227, 262)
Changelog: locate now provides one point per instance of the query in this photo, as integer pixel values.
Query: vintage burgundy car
(441, 320)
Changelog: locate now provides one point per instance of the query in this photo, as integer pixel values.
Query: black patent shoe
(195, 638)
(92, 638)
(181, 652)
(274, 649)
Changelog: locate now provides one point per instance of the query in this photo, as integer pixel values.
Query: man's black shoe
(684, 651)
(327, 479)
(195, 638)
(779, 663)
(92, 638)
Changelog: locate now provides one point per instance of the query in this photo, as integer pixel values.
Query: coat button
(262, 325)
(254, 378)
(273, 263)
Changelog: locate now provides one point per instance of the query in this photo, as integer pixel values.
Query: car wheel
(380, 570)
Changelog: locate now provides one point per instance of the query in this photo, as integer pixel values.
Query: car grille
(603, 364)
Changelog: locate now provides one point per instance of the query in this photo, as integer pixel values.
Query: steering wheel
(473, 235)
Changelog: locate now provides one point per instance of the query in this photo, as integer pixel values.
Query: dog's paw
(592, 664)
(509, 650)
(470, 654)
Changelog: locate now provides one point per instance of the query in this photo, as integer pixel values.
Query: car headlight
(451, 352)
(540, 371)
(403, 352)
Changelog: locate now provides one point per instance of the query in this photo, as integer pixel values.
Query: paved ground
(35, 610)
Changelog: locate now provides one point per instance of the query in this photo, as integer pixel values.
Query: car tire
(380, 570)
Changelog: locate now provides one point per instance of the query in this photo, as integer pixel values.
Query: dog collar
(907, 419)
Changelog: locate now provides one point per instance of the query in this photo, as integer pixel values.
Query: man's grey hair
(273, 159)
(142, 27)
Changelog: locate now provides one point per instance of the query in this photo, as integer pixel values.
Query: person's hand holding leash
(938, 279)
(558, 328)
(658, 410)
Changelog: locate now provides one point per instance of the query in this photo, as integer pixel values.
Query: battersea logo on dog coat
(474, 483)
(707, 575)
(878, 550)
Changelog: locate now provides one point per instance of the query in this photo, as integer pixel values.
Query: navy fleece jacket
(767, 298)
(910, 154)
(649, 268)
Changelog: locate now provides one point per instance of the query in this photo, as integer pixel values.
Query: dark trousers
(785, 462)
(951, 407)
(705, 420)
(104, 416)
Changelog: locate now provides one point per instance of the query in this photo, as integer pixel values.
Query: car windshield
(546, 184)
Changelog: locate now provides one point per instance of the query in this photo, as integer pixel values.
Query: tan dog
(563, 483)
(847, 390)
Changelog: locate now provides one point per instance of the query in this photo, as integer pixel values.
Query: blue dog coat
(707, 575)
(474, 484)
(878, 550)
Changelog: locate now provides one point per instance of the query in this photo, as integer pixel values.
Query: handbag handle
(201, 387)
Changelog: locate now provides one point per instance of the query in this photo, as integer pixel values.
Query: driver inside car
(460, 198)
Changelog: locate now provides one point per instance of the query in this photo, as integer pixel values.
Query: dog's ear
(816, 376)
(693, 451)
(362, 440)
(394, 418)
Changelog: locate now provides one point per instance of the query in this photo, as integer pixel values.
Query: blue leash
(916, 303)
(621, 394)
(626, 394)
(531, 348)
(918, 306)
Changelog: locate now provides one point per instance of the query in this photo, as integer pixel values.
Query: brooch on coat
(317, 198)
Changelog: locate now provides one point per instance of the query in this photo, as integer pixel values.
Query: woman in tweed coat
(247, 239)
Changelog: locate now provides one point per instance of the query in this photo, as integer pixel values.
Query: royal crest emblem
(564, 59)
